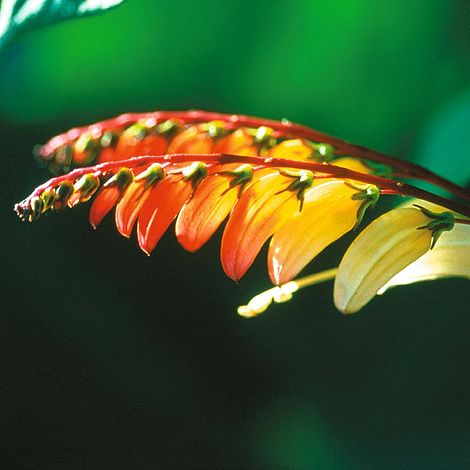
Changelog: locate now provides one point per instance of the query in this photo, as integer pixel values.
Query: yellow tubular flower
(387, 246)
(330, 210)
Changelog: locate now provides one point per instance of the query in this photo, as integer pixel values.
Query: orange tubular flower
(137, 140)
(130, 205)
(210, 205)
(194, 139)
(239, 142)
(264, 207)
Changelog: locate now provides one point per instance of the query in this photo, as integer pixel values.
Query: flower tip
(124, 233)
(231, 272)
(246, 312)
(94, 221)
(188, 244)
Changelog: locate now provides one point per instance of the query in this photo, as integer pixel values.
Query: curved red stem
(389, 186)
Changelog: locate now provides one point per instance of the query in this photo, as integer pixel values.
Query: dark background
(111, 359)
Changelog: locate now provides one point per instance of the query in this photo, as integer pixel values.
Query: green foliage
(446, 139)
(17, 16)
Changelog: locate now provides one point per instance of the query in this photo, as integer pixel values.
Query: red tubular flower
(210, 205)
(164, 203)
(109, 196)
(134, 198)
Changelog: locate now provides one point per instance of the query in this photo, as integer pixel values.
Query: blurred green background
(111, 359)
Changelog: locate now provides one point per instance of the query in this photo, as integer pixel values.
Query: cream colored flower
(386, 247)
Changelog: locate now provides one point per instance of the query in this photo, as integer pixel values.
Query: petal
(354, 164)
(191, 140)
(160, 209)
(329, 211)
(102, 204)
(293, 149)
(238, 142)
(264, 207)
(382, 249)
(449, 258)
(207, 209)
(112, 190)
(131, 145)
(129, 207)
(107, 154)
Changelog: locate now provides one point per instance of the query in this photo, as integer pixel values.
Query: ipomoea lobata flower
(329, 211)
(383, 249)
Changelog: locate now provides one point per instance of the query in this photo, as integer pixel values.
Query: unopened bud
(37, 206)
(62, 194)
(87, 186)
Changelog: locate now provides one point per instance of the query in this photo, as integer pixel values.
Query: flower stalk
(386, 186)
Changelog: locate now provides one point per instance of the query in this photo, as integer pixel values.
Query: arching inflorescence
(271, 179)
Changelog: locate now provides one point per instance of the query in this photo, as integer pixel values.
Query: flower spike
(273, 179)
